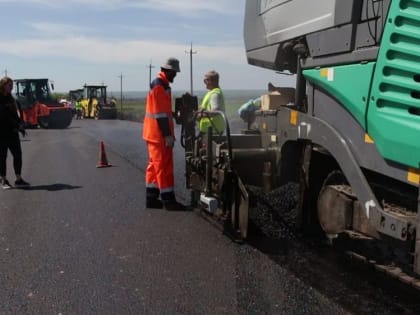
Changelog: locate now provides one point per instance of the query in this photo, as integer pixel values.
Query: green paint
(348, 84)
(393, 119)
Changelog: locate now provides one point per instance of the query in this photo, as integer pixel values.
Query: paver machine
(349, 138)
(39, 108)
(95, 103)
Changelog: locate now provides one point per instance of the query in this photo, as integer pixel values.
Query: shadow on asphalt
(52, 187)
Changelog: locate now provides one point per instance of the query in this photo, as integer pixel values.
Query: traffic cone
(103, 161)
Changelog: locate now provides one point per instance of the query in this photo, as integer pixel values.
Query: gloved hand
(199, 114)
(169, 141)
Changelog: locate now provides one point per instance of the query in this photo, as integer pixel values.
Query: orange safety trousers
(160, 170)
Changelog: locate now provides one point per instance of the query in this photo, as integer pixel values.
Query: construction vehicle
(75, 95)
(348, 136)
(38, 107)
(95, 103)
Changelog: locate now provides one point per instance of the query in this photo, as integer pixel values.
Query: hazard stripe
(166, 190)
(151, 185)
(157, 115)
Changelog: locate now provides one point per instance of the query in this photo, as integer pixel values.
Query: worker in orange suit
(158, 132)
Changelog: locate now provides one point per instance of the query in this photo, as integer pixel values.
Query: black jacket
(9, 118)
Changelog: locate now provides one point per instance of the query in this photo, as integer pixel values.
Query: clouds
(96, 50)
(56, 29)
(179, 7)
(188, 6)
(78, 41)
(86, 30)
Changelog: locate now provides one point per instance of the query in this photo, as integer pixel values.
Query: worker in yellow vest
(78, 107)
(212, 101)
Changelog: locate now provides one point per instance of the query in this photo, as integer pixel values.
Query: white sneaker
(5, 184)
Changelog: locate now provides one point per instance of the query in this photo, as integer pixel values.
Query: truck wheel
(60, 118)
(335, 204)
(321, 166)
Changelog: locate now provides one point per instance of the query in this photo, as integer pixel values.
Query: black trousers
(10, 142)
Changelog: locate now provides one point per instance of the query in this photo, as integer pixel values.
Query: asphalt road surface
(80, 241)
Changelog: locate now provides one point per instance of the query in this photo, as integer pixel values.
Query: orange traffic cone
(103, 161)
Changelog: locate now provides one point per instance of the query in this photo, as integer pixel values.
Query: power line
(191, 52)
(150, 66)
(121, 90)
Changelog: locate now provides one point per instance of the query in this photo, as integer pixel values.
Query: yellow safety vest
(216, 122)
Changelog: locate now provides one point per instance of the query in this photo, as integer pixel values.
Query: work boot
(152, 198)
(173, 205)
(154, 203)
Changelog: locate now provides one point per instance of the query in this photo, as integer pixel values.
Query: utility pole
(121, 90)
(191, 52)
(5, 72)
(150, 66)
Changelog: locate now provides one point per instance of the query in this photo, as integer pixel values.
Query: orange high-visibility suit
(158, 124)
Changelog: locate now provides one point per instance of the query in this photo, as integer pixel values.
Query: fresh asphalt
(80, 241)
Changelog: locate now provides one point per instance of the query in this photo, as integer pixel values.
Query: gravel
(274, 213)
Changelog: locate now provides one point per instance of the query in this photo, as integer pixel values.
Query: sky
(124, 42)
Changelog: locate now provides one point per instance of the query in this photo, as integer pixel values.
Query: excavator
(348, 137)
(39, 108)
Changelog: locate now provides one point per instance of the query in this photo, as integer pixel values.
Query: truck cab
(38, 106)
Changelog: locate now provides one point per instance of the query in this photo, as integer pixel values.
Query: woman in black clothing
(10, 126)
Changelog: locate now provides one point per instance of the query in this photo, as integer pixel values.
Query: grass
(133, 109)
